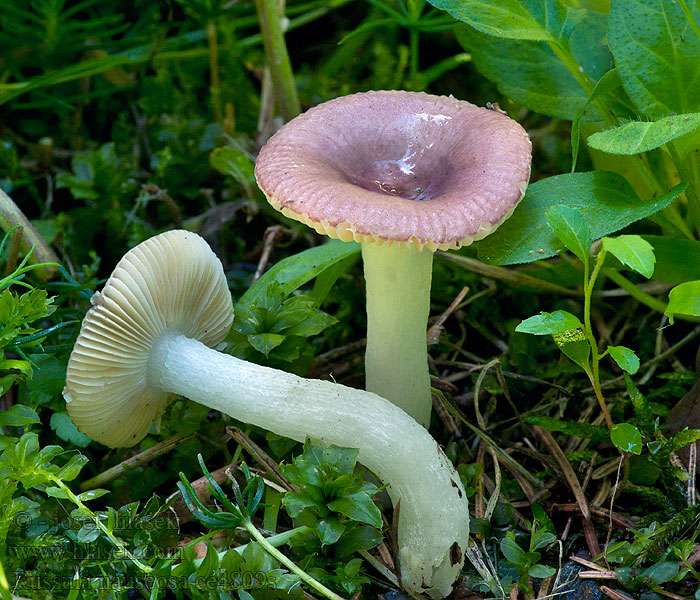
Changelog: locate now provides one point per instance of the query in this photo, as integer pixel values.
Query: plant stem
(635, 292)
(11, 216)
(276, 540)
(214, 81)
(398, 281)
(118, 544)
(691, 19)
(278, 58)
(303, 575)
(594, 373)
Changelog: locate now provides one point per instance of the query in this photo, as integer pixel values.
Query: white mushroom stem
(433, 516)
(398, 281)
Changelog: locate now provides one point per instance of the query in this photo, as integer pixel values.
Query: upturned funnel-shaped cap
(394, 166)
(171, 282)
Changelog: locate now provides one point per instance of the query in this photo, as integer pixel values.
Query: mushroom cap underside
(395, 166)
(170, 282)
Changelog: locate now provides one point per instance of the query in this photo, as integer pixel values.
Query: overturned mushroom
(147, 337)
(403, 173)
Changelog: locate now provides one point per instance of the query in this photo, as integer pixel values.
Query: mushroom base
(433, 524)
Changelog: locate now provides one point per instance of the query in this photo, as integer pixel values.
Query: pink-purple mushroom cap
(395, 166)
(404, 173)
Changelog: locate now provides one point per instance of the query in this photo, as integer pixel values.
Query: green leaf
(606, 201)
(541, 571)
(531, 73)
(547, 20)
(265, 342)
(595, 433)
(92, 494)
(660, 572)
(571, 228)
(632, 251)
(18, 415)
(72, 468)
(57, 492)
(362, 537)
(549, 323)
(234, 162)
(88, 533)
(642, 409)
(626, 359)
(677, 260)
(294, 271)
(684, 299)
(657, 55)
(210, 563)
(329, 530)
(577, 351)
(684, 438)
(609, 87)
(639, 136)
(515, 554)
(65, 429)
(358, 507)
(626, 438)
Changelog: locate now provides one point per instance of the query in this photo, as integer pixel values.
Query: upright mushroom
(404, 173)
(148, 336)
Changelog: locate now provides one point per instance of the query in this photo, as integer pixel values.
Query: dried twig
(133, 462)
(436, 329)
(566, 469)
(261, 457)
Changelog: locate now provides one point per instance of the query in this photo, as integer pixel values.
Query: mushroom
(405, 174)
(149, 335)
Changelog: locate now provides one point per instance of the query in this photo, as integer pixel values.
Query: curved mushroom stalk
(147, 337)
(404, 173)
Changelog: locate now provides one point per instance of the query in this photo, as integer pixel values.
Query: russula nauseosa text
(147, 337)
(405, 174)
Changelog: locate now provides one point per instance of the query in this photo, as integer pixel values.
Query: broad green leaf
(657, 55)
(541, 20)
(18, 415)
(632, 251)
(609, 87)
(578, 350)
(265, 342)
(92, 495)
(677, 260)
(626, 359)
(660, 572)
(531, 73)
(541, 571)
(606, 201)
(56, 492)
(65, 429)
(626, 438)
(71, 469)
(210, 563)
(234, 162)
(571, 228)
(358, 538)
(684, 299)
(294, 271)
(329, 530)
(88, 533)
(641, 136)
(358, 507)
(549, 323)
